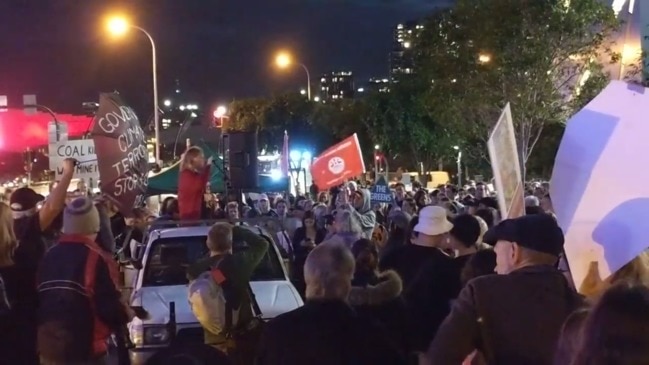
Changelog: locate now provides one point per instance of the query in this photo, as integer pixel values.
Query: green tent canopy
(166, 181)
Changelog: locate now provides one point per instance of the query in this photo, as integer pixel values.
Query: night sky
(219, 50)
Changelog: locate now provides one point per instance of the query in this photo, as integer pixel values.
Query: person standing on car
(237, 268)
(80, 305)
(192, 182)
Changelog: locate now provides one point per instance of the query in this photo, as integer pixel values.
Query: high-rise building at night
(402, 57)
(177, 109)
(337, 85)
(381, 85)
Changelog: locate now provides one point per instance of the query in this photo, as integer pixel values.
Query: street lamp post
(459, 166)
(283, 60)
(119, 26)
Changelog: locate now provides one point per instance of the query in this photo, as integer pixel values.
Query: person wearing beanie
(79, 301)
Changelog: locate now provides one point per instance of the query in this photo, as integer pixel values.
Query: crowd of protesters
(435, 277)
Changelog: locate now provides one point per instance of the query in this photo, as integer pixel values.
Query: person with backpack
(219, 290)
(79, 301)
(33, 219)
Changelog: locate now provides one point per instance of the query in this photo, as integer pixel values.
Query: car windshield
(169, 259)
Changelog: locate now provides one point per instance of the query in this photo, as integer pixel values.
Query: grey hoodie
(365, 215)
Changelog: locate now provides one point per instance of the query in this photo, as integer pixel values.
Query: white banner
(83, 150)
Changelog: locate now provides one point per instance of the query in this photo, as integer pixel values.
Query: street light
(484, 58)
(284, 60)
(459, 166)
(220, 111)
(119, 26)
(167, 103)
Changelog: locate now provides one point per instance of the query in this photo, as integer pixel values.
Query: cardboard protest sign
(82, 150)
(506, 167)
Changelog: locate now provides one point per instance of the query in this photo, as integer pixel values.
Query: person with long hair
(193, 178)
(9, 288)
(570, 337)
(616, 330)
(304, 241)
(377, 294)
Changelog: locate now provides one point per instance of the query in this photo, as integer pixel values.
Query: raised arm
(56, 200)
(257, 248)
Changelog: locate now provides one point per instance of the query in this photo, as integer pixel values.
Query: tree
(401, 121)
(483, 54)
(309, 125)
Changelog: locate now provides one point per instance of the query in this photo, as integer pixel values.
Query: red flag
(338, 163)
(283, 163)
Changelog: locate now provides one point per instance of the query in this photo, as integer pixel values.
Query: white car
(162, 280)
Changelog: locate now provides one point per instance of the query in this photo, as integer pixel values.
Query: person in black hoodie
(377, 295)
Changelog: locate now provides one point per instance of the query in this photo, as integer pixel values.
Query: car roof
(194, 231)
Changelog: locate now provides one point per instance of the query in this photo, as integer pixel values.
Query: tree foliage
(471, 60)
(483, 54)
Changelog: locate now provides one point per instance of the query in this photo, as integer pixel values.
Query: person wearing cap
(262, 208)
(514, 317)
(79, 304)
(33, 216)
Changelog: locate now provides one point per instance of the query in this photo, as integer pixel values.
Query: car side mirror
(137, 264)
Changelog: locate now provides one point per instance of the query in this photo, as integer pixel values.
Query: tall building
(402, 57)
(376, 84)
(177, 109)
(337, 85)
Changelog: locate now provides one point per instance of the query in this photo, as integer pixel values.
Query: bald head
(328, 272)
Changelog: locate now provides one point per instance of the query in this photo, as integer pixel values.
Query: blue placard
(381, 192)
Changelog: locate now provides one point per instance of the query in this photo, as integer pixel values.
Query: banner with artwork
(338, 163)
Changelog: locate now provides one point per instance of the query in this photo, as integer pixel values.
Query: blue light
(276, 175)
(295, 155)
(306, 155)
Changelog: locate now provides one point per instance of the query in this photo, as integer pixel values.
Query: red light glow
(19, 130)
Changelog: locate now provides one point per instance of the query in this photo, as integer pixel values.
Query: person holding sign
(194, 175)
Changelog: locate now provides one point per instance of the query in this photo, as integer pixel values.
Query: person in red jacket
(194, 175)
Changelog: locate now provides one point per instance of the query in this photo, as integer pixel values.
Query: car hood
(273, 297)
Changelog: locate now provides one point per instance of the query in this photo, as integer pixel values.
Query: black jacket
(381, 301)
(325, 333)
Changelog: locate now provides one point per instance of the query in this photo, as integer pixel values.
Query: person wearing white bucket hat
(433, 223)
(410, 261)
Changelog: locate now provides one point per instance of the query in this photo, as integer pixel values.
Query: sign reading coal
(380, 192)
(122, 153)
(82, 150)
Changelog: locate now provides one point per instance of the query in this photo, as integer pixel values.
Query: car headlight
(149, 335)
